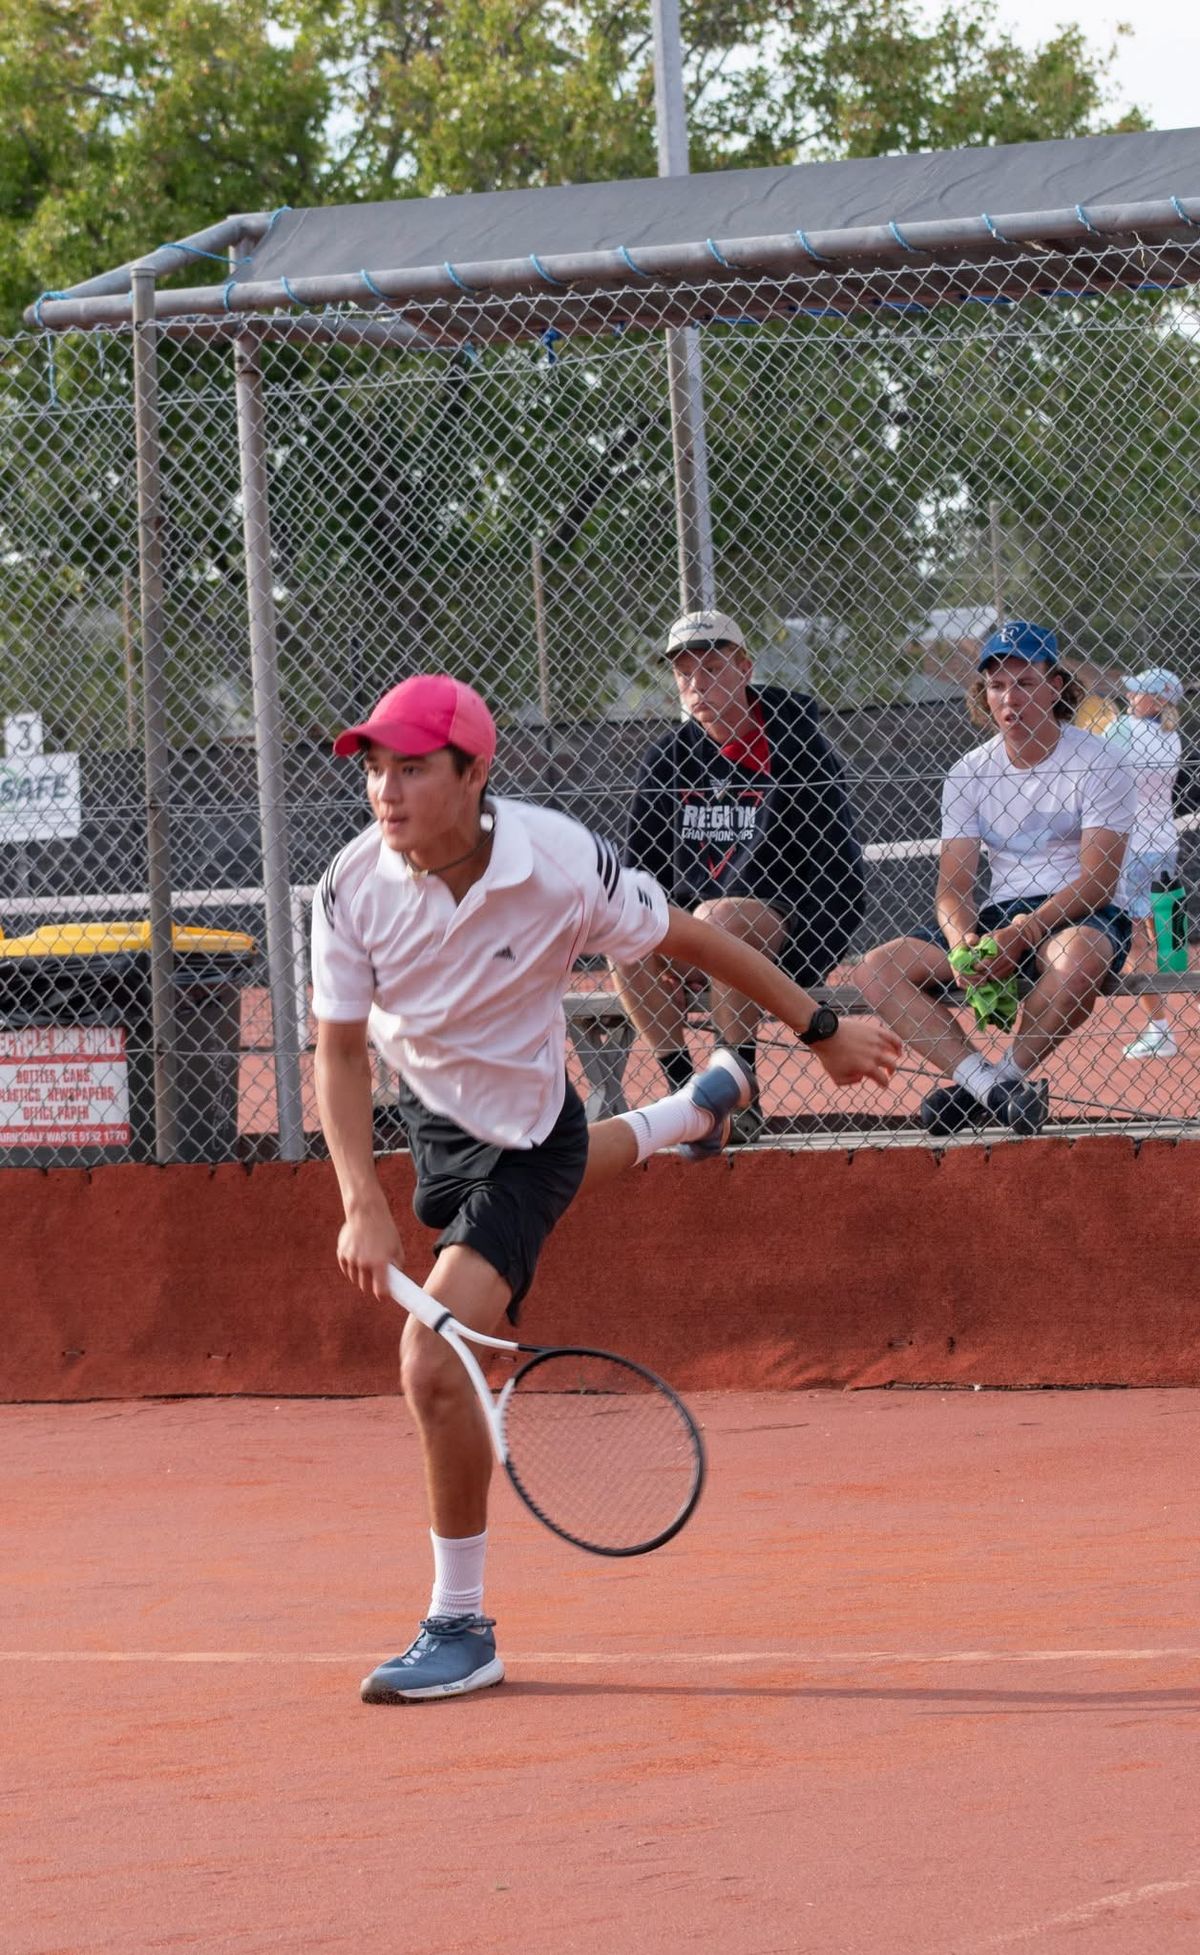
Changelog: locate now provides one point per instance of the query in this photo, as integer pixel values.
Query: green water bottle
(1167, 906)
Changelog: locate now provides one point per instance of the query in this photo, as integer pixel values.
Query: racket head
(601, 1450)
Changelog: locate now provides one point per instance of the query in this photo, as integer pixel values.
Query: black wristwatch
(821, 1026)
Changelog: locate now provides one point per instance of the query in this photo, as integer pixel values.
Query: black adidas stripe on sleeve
(608, 865)
(327, 891)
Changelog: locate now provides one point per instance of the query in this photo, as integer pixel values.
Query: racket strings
(602, 1453)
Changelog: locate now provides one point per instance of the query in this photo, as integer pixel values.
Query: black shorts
(500, 1201)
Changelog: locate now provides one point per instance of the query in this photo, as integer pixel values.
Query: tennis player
(446, 933)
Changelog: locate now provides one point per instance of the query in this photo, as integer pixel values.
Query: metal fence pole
(685, 378)
(154, 715)
(268, 741)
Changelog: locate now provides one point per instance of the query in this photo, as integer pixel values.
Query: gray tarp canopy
(728, 205)
(1064, 200)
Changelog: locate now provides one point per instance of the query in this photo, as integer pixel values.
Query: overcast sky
(1157, 67)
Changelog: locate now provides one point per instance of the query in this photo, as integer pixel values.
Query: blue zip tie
(37, 310)
(715, 250)
(287, 286)
(1182, 215)
(1086, 221)
(549, 339)
(461, 283)
(371, 286)
(194, 251)
(541, 271)
(226, 289)
(817, 257)
(623, 254)
(280, 211)
(994, 228)
(900, 238)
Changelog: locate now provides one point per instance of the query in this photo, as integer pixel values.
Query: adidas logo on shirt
(507, 955)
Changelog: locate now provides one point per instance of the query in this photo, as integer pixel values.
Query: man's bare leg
(890, 980)
(455, 1649)
(454, 1437)
(1074, 964)
(655, 1005)
(736, 1018)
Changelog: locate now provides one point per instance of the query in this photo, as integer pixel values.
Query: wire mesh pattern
(602, 1451)
(892, 468)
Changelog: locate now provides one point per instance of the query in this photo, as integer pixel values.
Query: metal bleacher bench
(602, 1035)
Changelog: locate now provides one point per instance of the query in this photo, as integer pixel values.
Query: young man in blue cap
(1052, 806)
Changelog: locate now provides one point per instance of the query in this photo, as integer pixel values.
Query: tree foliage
(124, 125)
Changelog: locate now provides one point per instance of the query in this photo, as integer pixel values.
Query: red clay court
(922, 1677)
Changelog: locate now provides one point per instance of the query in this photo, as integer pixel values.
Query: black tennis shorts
(501, 1201)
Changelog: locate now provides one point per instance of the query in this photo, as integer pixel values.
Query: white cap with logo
(699, 631)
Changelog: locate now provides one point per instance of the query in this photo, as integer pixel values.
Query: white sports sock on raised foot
(457, 1574)
(977, 1075)
(1162, 1026)
(667, 1123)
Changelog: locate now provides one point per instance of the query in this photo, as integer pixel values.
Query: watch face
(823, 1025)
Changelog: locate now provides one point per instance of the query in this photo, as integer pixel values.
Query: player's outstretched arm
(860, 1049)
(368, 1239)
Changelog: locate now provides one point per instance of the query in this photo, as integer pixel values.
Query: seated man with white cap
(1052, 806)
(741, 813)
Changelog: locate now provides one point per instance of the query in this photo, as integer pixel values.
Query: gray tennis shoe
(721, 1090)
(451, 1655)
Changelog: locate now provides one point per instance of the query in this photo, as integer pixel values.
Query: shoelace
(444, 1628)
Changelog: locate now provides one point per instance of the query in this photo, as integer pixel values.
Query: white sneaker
(1152, 1044)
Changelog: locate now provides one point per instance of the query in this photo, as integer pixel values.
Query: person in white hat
(1148, 740)
(741, 813)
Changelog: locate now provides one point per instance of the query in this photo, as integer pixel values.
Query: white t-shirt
(1152, 756)
(1031, 819)
(465, 1000)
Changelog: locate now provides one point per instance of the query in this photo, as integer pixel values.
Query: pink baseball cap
(424, 713)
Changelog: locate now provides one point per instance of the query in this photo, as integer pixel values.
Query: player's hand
(368, 1241)
(861, 1048)
(1012, 945)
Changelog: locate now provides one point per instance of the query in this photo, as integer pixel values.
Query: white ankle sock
(977, 1075)
(1008, 1069)
(1160, 1025)
(457, 1574)
(667, 1123)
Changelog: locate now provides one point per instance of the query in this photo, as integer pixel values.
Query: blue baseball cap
(1017, 639)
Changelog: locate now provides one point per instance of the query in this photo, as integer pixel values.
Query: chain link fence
(887, 479)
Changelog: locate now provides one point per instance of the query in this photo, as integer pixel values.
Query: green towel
(994, 1001)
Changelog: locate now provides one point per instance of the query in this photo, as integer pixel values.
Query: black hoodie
(704, 827)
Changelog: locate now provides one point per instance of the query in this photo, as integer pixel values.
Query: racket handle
(412, 1298)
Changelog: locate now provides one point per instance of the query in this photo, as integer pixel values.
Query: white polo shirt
(1031, 820)
(465, 1000)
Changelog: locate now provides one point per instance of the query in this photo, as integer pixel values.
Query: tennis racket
(598, 1448)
